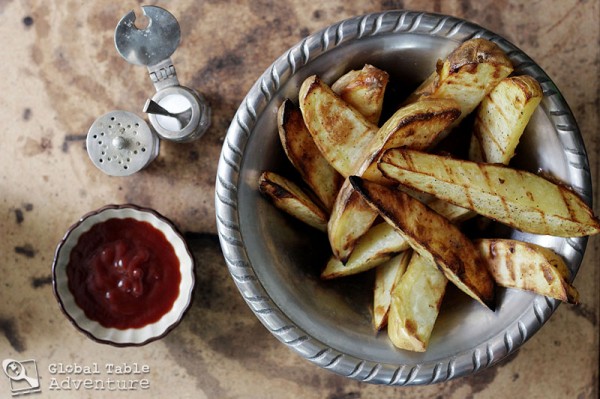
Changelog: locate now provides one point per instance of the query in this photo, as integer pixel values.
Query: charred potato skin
(365, 90)
(469, 72)
(433, 237)
(414, 126)
(305, 156)
(529, 267)
(293, 200)
(340, 132)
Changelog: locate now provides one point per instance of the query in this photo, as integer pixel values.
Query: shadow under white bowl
(130, 336)
(275, 261)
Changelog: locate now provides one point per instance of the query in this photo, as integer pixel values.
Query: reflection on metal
(152, 47)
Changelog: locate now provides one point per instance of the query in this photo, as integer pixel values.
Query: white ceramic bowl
(275, 261)
(129, 336)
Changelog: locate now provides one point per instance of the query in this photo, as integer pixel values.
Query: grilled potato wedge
(433, 237)
(364, 89)
(339, 131)
(527, 266)
(415, 304)
(502, 117)
(519, 199)
(415, 126)
(377, 246)
(382, 241)
(387, 276)
(469, 72)
(302, 152)
(290, 198)
(499, 124)
(350, 218)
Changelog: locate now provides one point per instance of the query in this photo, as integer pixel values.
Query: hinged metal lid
(176, 112)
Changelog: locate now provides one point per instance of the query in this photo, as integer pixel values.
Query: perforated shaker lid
(121, 143)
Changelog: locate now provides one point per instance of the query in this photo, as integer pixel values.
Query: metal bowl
(275, 261)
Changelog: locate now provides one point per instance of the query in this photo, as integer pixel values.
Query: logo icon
(24, 377)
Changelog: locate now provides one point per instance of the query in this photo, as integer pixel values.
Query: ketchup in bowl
(124, 273)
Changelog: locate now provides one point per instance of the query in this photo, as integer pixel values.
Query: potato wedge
(290, 198)
(519, 199)
(302, 152)
(433, 237)
(499, 124)
(469, 72)
(527, 266)
(414, 126)
(382, 241)
(364, 89)
(415, 304)
(377, 246)
(350, 218)
(467, 75)
(502, 117)
(387, 276)
(339, 131)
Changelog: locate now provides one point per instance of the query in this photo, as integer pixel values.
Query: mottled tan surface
(61, 71)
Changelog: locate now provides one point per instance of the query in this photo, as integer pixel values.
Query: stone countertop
(62, 72)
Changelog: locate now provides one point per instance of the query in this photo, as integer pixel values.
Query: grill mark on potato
(455, 266)
(510, 264)
(496, 73)
(548, 275)
(353, 201)
(379, 310)
(474, 52)
(409, 161)
(571, 212)
(275, 190)
(411, 327)
(478, 132)
(490, 185)
(478, 135)
(565, 193)
(582, 222)
(530, 195)
(449, 115)
(498, 110)
(525, 83)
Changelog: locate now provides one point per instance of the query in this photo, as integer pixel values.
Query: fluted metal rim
(228, 220)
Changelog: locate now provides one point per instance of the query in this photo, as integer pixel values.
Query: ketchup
(124, 273)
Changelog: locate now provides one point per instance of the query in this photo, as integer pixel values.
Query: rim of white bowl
(131, 336)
